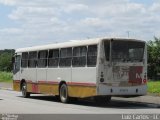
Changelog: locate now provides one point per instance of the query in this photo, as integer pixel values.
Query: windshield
(127, 51)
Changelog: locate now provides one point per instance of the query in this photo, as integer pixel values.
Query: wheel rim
(24, 89)
(63, 93)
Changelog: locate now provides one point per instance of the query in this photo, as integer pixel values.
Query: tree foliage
(154, 58)
(6, 60)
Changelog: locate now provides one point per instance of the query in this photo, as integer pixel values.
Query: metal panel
(84, 75)
(41, 74)
(29, 74)
(59, 74)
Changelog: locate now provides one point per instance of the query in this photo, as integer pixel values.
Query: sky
(25, 23)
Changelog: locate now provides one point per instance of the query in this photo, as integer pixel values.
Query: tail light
(102, 79)
(145, 79)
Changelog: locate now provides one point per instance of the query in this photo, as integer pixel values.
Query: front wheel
(64, 93)
(25, 94)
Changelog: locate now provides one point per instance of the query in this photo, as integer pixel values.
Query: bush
(6, 76)
(153, 86)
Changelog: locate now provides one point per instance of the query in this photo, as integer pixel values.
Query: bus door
(16, 67)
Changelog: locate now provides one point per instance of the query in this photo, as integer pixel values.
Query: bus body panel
(55, 76)
(29, 74)
(84, 75)
(59, 74)
(41, 74)
(83, 82)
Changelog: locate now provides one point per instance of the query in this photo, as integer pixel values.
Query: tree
(154, 58)
(6, 60)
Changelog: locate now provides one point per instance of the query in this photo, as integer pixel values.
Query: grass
(6, 77)
(154, 87)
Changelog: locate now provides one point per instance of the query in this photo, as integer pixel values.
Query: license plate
(123, 90)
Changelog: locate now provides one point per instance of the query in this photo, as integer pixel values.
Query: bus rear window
(127, 51)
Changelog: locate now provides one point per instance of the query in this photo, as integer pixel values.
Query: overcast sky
(26, 23)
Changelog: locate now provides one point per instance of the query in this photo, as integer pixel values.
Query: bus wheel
(25, 94)
(64, 93)
(101, 100)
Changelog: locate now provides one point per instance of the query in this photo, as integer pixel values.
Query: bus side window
(65, 57)
(79, 56)
(24, 61)
(32, 62)
(53, 58)
(42, 58)
(92, 56)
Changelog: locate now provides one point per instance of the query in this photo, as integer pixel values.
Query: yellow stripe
(16, 86)
(74, 91)
(48, 89)
(53, 89)
(29, 87)
(81, 91)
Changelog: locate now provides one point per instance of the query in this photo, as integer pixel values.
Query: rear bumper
(116, 90)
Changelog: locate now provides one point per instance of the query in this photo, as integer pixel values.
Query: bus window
(17, 64)
(107, 49)
(124, 51)
(79, 56)
(42, 59)
(24, 61)
(53, 58)
(92, 56)
(65, 57)
(32, 62)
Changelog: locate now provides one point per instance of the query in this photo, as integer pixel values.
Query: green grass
(6, 77)
(154, 87)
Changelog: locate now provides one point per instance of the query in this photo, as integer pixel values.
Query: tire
(25, 94)
(102, 100)
(63, 93)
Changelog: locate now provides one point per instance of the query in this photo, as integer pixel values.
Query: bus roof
(72, 43)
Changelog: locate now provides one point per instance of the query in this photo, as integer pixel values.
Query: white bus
(98, 68)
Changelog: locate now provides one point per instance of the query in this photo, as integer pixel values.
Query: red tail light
(144, 81)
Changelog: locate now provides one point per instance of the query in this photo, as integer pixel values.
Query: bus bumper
(116, 90)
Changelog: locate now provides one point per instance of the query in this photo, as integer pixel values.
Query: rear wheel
(25, 94)
(101, 100)
(64, 93)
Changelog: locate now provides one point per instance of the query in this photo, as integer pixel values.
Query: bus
(95, 68)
